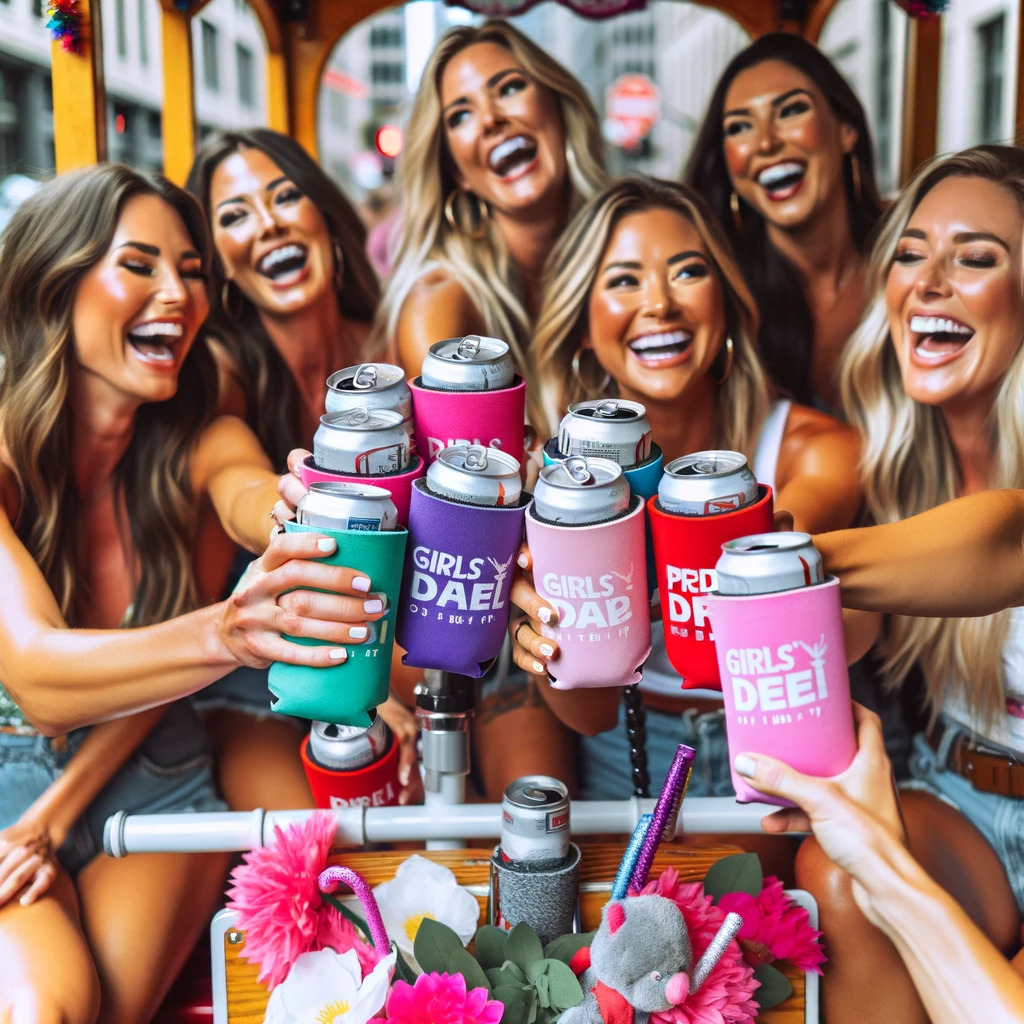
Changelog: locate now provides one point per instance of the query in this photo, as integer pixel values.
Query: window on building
(246, 65)
(211, 67)
(37, 8)
(121, 19)
(991, 72)
(144, 31)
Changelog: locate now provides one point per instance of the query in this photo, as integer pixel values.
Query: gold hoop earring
(339, 265)
(482, 214)
(737, 216)
(728, 363)
(855, 177)
(578, 376)
(227, 289)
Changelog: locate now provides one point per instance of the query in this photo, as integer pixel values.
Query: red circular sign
(632, 107)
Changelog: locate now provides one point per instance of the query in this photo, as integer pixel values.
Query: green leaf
(563, 988)
(514, 1000)
(775, 987)
(350, 915)
(540, 986)
(522, 946)
(565, 947)
(496, 977)
(403, 969)
(739, 873)
(490, 946)
(434, 942)
(460, 962)
(512, 973)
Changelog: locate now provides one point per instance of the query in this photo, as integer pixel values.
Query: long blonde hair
(909, 464)
(742, 401)
(52, 241)
(427, 177)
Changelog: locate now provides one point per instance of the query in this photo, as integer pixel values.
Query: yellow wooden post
(921, 94)
(179, 114)
(79, 99)
(277, 92)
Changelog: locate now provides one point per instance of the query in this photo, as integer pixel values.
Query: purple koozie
(595, 575)
(454, 604)
(787, 692)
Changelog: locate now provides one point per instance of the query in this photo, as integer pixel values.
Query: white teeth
(285, 252)
(939, 325)
(770, 175)
(650, 342)
(507, 148)
(155, 354)
(157, 329)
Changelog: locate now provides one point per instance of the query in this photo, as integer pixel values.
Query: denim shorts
(606, 772)
(171, 770)
(1000, 819)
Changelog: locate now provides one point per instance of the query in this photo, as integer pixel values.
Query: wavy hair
(54, 238)
(909, 463)
(787, 326)
(427, 177)
(274, 407)
(743, 399)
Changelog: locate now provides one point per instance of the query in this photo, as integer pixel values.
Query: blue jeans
(171, 770)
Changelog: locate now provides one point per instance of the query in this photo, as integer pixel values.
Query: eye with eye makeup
(794, 108)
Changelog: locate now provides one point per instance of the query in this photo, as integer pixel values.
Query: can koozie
(545, 900)
(787, 692)
(454, 605)
(345, 692)
(686, 549)
(399, 484)
(595, 576)
(373, 785)
(495, 419)
(643, 480)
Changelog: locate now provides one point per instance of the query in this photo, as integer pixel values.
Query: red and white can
(364, 442)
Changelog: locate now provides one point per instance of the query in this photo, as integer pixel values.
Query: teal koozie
(345, 692)
(643, 481)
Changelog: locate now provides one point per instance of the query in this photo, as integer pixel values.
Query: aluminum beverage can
(766, 563)
(365, 442)
(608, 428)
(370, 386)
(707, 484)
(535, 823)
(472, 363)
(579, 490)
(475, 474)
(342, 506)
(345, 748)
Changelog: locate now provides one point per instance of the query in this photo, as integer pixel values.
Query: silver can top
(609, 409)
(362, 419)
(766, 563)
(579, 490)
(351, 492)
(474, 362)
(476, 458)
(536, 791)
(577, 472)
(348, 747)
(707, 464)
(366, 377)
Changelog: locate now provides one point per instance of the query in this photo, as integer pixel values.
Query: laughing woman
(106, 448)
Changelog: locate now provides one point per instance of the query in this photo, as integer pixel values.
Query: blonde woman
(934, 379)
(644, 300)
(502, 147)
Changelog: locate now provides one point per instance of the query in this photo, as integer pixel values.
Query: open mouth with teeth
(512, 156)
(937, 338)
(657, 349)
(782, 181)
(154, 342)
(284, 265)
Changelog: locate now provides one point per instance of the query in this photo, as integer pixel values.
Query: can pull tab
(357, 417)
(468, 348)
(608, 408)
(578, 469)
(476, 458)
(365, 377)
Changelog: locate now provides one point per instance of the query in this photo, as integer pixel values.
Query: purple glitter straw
(666, 813)
(331, 878)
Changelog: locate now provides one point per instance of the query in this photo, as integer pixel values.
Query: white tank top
(659, 675)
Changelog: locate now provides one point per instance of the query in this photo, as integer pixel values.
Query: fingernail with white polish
(744, 765)
(547, 650)
(372, 607)
(361, 583)
(326, 544)
(358, 632)
(544, 615)
(538, 667)
(338, 654)
(522, 561)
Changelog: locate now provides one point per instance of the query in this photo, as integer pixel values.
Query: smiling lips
(782, 181)
(285, 265)
(153, 342)
(938, 339)
(660, 349)
(512, 156)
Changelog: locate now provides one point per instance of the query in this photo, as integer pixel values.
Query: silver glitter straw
(719, 944)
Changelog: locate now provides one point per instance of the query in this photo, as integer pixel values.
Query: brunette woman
(934, 378)
(106, 448)
(644, 301)
(785, 161)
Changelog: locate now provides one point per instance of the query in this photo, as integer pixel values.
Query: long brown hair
(54, 238)
(274, 407)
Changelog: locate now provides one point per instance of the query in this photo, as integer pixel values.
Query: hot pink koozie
(787, 692)
(399, 484)
(596, 576)
(492, 418)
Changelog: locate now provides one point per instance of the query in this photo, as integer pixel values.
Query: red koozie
(686, 549)
(373, 785)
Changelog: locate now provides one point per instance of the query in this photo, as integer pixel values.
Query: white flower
(328, 988)
(423, 889)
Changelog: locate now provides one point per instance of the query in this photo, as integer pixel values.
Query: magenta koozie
(783, 667)
(399, 484)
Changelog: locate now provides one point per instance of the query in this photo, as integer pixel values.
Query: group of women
(164, 351)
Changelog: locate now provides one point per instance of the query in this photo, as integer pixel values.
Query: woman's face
(137, 312)
(955, 292)
(272, 240)
(655, 313)
(503, 129)
(784, 147)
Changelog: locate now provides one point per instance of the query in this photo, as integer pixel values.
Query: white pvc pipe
(451, 791)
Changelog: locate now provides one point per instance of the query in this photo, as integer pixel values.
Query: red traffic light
(388, 140)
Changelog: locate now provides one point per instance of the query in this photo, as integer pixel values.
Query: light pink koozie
(782, 661)
(399, 484)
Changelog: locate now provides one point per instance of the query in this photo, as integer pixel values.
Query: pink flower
(726, 997)
(280, 907)
(775, 928)
(441, 999)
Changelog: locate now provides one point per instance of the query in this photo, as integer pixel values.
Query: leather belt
(987, 770)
